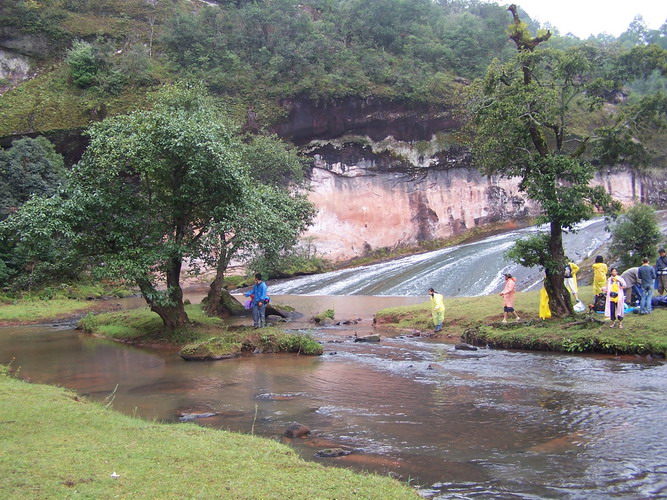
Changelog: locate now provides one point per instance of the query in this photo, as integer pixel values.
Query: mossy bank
(477, 320)
(205, 338)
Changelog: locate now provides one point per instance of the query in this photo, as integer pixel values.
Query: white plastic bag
(579, 306)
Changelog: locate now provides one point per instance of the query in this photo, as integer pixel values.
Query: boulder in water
(465, 347)
(367, 338)
(332, 452)
(188, 417)
(296, 429)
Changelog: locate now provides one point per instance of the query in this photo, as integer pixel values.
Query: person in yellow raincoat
(545, 310)
(438, 304)
(599, 275)
(570, 281)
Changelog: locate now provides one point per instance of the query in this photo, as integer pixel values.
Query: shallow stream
(459, 424)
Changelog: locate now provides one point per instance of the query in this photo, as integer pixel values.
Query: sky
(591, 17)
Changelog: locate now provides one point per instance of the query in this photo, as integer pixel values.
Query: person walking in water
(508, 296)
(438, 305)
(615, 304)
(599, 275)
(259, 301)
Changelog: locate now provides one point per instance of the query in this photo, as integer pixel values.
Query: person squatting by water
(647, 276)
(661, 271)
(259, 301)
(508, 297)
(615, 304)
(438, 305)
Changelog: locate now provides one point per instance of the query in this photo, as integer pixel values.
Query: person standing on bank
(599, 275)
(258, 295)
(570, 281)
(661, 271)
(615, 304)
(647, 277)
(508, 297)
(438, 305)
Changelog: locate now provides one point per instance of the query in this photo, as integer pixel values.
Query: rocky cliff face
(388, 174)
(18, 52)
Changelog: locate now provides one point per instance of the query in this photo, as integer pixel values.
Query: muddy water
(460, 424)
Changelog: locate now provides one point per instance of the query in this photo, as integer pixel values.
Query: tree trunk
(173, 317)
(219, 301)
(171, 311)
(559, 297)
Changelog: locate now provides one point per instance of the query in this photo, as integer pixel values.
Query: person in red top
(508, 296)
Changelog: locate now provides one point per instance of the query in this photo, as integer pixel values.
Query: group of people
(608, 286)
(640, 282)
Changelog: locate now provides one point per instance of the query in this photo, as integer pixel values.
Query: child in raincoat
(438, 305)
(615, 305)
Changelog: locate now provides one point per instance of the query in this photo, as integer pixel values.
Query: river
(456, 424)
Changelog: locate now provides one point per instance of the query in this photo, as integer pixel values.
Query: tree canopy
(636, 235)
(179, 184)
(527, 123)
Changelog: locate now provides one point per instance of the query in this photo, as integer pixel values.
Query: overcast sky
(586, 17)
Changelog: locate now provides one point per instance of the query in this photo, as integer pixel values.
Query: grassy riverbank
(477, 320)
(57, 445)
(205, 337)
(57, 303)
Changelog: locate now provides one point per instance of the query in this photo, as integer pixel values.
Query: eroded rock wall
(388, 209)
(387, 174)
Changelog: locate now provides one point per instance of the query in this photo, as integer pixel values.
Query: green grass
(37, 311)
(48, 102)
(477, 320)
(57, 445)
(204, 335)
(326, 314)
(57, 302)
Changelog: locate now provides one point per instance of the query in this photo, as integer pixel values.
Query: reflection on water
(490, 424)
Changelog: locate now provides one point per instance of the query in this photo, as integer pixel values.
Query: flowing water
(458, 424)
(463, 270)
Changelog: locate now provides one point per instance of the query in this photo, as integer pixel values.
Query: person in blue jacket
(259, 301)
(647, 277)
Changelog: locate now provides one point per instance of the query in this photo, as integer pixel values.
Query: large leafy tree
(529, 118)
(271, 217)
(145, 192)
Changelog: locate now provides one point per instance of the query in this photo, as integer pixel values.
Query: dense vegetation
(257, 51)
